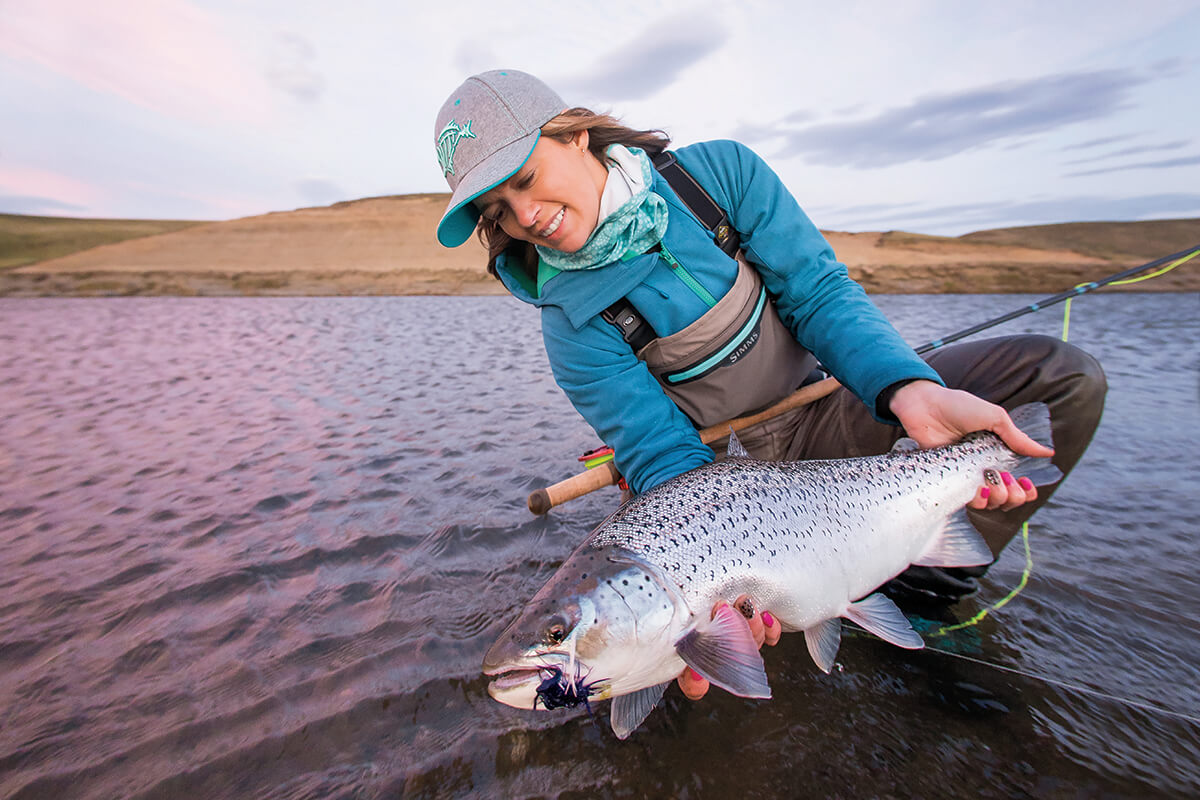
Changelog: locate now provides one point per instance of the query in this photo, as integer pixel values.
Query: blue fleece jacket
(827, 312)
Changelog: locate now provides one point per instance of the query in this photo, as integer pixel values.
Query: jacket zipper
(688, 279)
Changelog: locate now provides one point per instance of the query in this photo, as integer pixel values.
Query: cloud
(291, 70)
(1164, 164)
(939, 126)
(168, 56)
(1133, 151)
(28, 204)
(1103, 140)
(648, 63)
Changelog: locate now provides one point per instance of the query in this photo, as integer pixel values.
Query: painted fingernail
(991, 477)
(984, 492)
(1007, 478)
(746, 607)
(696, 676)
(768, 620)
(1026, 484)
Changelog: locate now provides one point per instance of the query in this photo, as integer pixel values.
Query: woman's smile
(554, 225)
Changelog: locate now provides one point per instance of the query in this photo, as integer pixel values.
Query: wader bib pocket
(737, 359)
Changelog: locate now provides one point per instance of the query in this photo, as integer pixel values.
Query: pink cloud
(165, 55)
(34, 182)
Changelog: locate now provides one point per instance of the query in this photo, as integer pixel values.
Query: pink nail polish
(768, 620)
(985, 492)
(1007, 478)
(1026, 484)
(696, 676)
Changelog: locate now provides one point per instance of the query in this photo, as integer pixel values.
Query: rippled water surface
(258, 547)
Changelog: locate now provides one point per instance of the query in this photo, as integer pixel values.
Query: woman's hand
(933, 416)
(766, 629)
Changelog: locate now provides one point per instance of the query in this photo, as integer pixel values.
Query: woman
(578, 222)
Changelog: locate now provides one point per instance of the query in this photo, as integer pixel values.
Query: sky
(932, 116)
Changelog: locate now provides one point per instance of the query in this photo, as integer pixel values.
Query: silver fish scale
(785, 532)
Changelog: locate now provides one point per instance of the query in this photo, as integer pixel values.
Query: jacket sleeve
(615, 392)
(827, 312)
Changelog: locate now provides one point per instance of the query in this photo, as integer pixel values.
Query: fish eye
(556, 633)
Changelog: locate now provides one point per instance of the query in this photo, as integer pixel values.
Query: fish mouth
(517, 686)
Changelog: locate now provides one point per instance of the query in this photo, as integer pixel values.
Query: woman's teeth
(554, 223)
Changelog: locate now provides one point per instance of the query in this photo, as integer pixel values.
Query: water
(258, 547)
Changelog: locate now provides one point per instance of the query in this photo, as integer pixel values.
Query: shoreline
(882, 279)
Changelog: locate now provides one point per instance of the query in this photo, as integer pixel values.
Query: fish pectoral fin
(723, 650)
(880, 616)
(823, 640)
(629, 710)
(958, 545)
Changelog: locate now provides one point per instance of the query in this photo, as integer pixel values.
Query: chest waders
(736, 359)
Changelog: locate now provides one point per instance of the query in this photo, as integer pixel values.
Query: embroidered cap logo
(447, 143)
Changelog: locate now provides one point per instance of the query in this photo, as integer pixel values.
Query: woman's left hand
(934, 416)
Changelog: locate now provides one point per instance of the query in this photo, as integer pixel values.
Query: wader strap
(633, 326)
(711, 215)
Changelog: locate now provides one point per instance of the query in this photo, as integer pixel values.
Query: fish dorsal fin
(736, 449)
(880, 616)
(628, 710)
(823, 640)
(723, 650)
(958, 545)
(905, 445)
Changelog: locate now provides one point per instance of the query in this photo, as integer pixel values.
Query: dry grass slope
(386, 246)
(28, 239)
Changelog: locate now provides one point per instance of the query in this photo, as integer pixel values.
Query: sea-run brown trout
(809, 540)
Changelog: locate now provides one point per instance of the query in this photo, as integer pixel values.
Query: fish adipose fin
(958, 545)
(1034, 420)
(736, 449)
(723, 650)
(880, 616)
(628, 710)
(823, 640)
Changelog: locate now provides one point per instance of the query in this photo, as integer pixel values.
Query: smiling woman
(653, 330)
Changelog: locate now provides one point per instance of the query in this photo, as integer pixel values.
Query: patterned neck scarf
(635, 226)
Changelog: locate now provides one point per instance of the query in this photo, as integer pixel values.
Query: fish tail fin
(958, 545)
(1034, 420)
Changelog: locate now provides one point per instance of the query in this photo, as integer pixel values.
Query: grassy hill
(386, 246)
(1114, 241)
(28, 240)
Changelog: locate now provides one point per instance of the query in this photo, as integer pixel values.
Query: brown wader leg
(1009, 371)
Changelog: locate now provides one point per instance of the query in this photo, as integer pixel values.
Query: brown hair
(603, 130)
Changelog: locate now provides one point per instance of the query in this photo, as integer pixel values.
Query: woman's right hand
(764, 626)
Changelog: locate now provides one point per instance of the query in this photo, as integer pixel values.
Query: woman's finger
(692, 684)
(746, 606)
(771, 628)
(1020, 491)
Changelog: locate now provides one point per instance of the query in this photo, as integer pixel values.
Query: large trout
(809, 540)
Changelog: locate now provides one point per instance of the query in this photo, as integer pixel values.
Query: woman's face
(554, 199)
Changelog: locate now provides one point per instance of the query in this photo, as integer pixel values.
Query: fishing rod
(603, 472)
(1083, 288)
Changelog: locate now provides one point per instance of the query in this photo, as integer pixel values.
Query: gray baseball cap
(485, 131)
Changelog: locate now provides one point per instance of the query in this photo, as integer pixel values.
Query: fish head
(605, 624)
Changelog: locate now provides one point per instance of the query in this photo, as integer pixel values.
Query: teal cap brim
(461, 217)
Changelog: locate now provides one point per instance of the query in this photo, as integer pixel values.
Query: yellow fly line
(975, 620)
